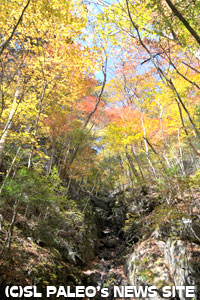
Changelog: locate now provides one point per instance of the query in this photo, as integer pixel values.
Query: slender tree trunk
(185, 129)
(134, 171)
(51, 160)
(185, 109)
(129, 174)
(6, 43)
(163, 137)
(11, 226)
(36, 124)
(161, 10)
(177, 13)
(180, 152)
(121, 164)
(9, 122)
(160, 157)
(12, 164)
(46, 213)
(146, 147)
(137, 162)
(76, 149)
(64, 164)
(10, 169)
(69, 183)
(89, 197)
(25, 214)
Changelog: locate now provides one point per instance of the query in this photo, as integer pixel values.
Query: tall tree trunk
(7, 242)
(77, 147)
(10, 169)
(180, 152)
(9, 122)
(50, 164)
(36, 123)
(134, 170)
(122, 166)
(137, 162)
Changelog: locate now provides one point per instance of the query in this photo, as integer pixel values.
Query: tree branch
(177, 13)
(5, 44)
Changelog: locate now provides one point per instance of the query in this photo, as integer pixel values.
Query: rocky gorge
(146, 243)
(133, 240)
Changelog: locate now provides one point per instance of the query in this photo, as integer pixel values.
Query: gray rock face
(102, 202)
(190, 230)
(146, 266)
(178, 261)
(165, 246)
(163, 263)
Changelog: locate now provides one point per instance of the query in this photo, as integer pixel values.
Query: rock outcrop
(164, 247)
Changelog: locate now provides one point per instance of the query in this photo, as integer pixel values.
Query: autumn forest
(98, 100)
